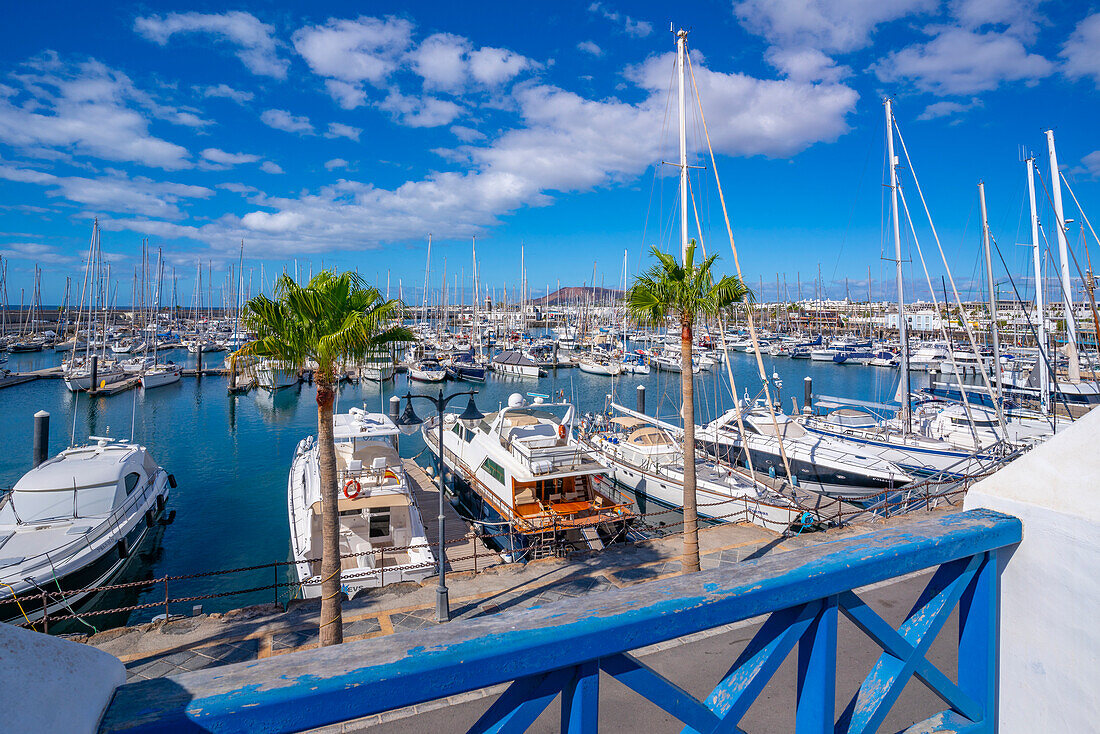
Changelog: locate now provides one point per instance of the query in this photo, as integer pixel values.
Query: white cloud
(349, 53)
(440, 61)
(806, 64)
(222, 159)
(255, 42)
(278, 223)
(425, 111)
(238, 188)
(37, 252)
(228, 92)
(89, 109)
(957, 61)
(948, 109)
(590, 47)
(466, 134)
(1090, 165)
(636, 28)
(354, 56)
(1019, 17)
(1081, 51)
(828, 25)
(567, 143)
(340, 130)
(271, 167)
(336, 163)
(495, 66)
(115, 192)
(283, 120)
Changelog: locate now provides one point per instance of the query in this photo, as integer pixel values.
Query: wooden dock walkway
(471, 555)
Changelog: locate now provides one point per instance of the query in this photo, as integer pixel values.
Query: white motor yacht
(523, 477)
(73, 522)
(382, 537)
(272, 374)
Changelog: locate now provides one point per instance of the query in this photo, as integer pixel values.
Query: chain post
(166, 614)
(45, 614)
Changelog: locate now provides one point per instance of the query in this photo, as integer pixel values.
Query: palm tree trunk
(332, 627)
(690, 561)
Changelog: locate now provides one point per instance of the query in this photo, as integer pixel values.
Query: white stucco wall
(1050, 584)
(52, 685)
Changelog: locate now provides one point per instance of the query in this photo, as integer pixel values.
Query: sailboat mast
(1040, 306)
(1063, 258)
(903, 336)
(992, 295)
(681, 44)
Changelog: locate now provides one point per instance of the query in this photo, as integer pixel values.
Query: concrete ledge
(1050, 643)
(54, 685)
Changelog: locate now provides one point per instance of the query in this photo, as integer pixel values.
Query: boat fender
(352, 488)
(160, 503)
(561, 430)
(172, 481)
(120, 546)
(150, 518)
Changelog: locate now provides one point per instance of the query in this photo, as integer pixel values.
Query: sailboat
(168, 373)
(77, 371)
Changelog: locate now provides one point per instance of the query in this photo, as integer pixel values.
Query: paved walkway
(193, 643)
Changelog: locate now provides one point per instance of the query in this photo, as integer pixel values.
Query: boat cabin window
(493, 469)
(462, 432)
(131, 482)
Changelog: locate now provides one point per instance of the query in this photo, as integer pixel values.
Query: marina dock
(471, 555)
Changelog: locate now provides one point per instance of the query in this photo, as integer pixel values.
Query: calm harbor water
(230, 455)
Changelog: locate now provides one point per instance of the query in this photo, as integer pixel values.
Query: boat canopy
(649, 436)
(628, 421)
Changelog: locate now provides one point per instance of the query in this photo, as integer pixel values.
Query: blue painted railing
(560, 649)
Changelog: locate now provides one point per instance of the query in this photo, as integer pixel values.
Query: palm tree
(331, 321)
(687, 292)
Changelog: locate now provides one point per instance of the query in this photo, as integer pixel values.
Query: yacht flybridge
(523, 477)
(382, 538)
(73, 522)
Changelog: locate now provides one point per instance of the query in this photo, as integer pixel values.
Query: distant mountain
(579, 295)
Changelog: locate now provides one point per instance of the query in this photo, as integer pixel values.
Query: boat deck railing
(562, 456)
(565, 649)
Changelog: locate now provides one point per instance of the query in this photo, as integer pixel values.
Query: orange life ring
(561, 430)
(353, 482)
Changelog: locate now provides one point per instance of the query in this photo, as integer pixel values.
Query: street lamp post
(408, 423)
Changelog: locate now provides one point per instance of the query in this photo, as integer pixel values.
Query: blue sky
(346, 133)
